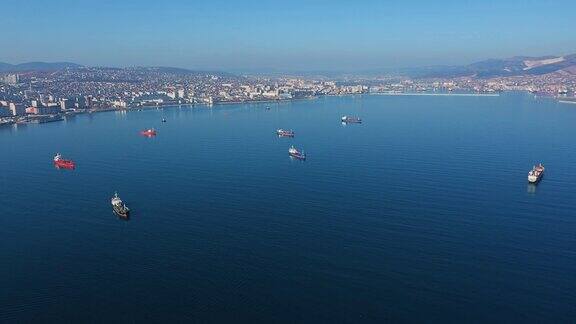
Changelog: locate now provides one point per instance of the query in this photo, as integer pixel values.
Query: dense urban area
(45, 96)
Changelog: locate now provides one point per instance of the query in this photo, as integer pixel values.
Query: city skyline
(274, 36)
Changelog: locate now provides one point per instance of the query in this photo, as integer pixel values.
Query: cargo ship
(284, 133)
(536, 173)
(293, 152)
(149, 132)
(59, 162)
(119, 207)
(351, 120)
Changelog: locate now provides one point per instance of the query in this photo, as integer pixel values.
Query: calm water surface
(422, 213)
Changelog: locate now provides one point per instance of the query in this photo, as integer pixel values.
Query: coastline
(435, 94)
(256, 102)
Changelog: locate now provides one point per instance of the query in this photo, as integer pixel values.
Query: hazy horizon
(274, 36)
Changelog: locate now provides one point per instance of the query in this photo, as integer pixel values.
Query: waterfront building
(17, 109)
(48, 110)
(66, 104)
(119, 104)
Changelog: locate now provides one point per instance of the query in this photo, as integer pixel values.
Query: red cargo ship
(149, 132)
(59, 162)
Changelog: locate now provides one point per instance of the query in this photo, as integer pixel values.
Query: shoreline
(261, 101)
(257, 102)
(435, 94)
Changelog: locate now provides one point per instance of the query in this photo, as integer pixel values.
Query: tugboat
(59, 162)
(149, 132)
(293, 152)
(536, 173)
(119, 207)
(351, 120)
(284, 133)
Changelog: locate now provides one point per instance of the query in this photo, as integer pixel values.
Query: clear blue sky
(283, 35)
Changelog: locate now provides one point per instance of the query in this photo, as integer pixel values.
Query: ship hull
(535, 179)
(298, 156)
(351, 120)
(121, 212)
(148, 133)
(65, 164)
(284, 133)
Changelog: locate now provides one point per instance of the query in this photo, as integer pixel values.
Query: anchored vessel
(149, 132)
(119, 207)
(284, 133)
(351, 120)
(59, 162)
(536, 173)
(293, 152)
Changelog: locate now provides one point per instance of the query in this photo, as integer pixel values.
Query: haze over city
(244, 36)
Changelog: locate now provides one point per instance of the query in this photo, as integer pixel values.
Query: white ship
(351, 120)
(293, 152)
(536, 173)
(119, 207)
(284, 133)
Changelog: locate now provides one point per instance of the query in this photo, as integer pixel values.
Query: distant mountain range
(37, 66)
(176, 70)
(45, 66)
(514, 66)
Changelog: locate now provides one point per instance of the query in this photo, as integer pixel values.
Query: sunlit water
(421, 213)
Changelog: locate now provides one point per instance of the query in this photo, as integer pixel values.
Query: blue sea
(422, 213)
